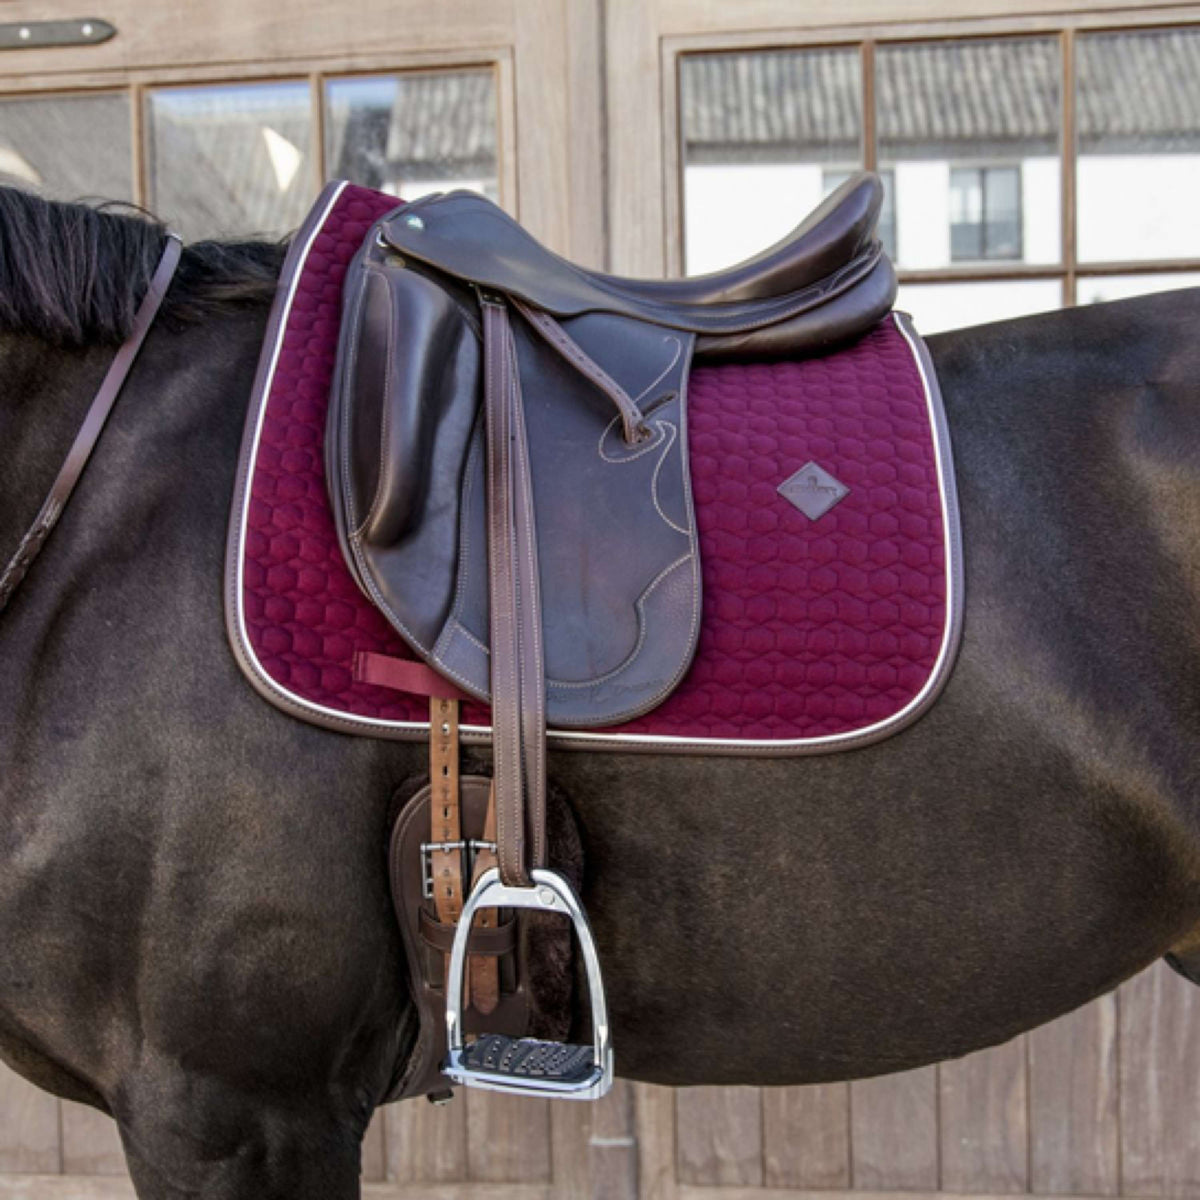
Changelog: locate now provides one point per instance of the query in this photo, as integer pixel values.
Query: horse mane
(74, 274)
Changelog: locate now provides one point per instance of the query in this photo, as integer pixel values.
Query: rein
(93, 424)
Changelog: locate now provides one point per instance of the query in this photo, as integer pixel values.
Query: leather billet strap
(517, 663)
(445, 811)
(93, 424)
(485, 971)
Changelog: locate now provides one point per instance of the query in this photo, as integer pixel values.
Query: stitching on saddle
(613, 459)
(639, 604)
(693, 556)
(670, 337)
(662, 462)
(609, 458)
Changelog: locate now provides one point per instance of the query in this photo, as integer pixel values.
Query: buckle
(528, 1066)
(468, 851)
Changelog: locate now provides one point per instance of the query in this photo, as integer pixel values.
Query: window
(985, 214)
(968, 133)
(68, 147)
(245, 159)
(230, 159)
(759, 132)
(413, 134)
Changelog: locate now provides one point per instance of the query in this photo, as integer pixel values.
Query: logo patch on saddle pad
(812, 490)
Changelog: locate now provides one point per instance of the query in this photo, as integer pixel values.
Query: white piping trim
(618, 741)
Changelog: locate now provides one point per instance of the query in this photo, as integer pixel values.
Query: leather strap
(557, 338)
(445, 857)
(93, 424)
(518, 682)
(403, 675)
(485, 972)
(484, 945)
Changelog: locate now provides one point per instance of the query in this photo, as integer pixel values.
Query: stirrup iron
(529, 1066)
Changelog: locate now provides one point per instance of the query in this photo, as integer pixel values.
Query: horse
(193, 904)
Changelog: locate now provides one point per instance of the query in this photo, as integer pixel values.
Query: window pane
(760, 130)
(68, 147)
(1139, 145)
(971, 131)
(230, 160)
(1096, 288)
(939, 306)
(414, 134)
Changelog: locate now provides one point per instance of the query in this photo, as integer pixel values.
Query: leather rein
(93, 424)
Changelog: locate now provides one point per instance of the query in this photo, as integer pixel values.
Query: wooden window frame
(137, 84)
(1065, 27)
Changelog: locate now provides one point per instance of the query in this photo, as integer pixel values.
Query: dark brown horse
(195, 920)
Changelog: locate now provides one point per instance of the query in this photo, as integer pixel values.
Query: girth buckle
(528, 1066)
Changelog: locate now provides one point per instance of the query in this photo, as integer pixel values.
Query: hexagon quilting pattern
(810, 628)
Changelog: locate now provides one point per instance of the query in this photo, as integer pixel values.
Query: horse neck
(46, 392)
(166, 452)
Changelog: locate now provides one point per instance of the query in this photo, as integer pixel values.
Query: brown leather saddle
(507, 461)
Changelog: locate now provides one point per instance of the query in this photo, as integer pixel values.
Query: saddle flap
(616, 536)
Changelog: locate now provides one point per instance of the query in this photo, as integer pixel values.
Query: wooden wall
(1105, 1102)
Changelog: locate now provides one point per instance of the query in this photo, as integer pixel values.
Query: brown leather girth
(93, 424)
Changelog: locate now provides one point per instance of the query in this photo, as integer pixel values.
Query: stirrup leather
(529, 1066)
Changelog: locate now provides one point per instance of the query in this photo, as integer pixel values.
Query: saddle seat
(830, 271)
(833, 235)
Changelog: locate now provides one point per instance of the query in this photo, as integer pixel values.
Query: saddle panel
(616, 539)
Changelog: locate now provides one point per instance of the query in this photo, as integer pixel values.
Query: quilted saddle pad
(828, 529)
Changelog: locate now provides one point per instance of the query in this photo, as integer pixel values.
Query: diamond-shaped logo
(812, 490)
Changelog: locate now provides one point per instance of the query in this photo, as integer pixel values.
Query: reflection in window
(1096, 289)
(985, 213)
(230, 159)
(942, 104)
(414, 134)
(939, 306)
(1139, 144)
(759, 128)
(887, 211)
(68, 147)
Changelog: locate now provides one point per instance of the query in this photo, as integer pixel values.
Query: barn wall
(1104, 1102)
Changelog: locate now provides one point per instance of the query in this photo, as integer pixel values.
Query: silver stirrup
(527, 1066)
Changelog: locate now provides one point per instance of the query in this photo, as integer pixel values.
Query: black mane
(72, 274)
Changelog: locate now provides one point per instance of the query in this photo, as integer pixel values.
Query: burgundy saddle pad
(818, 632)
